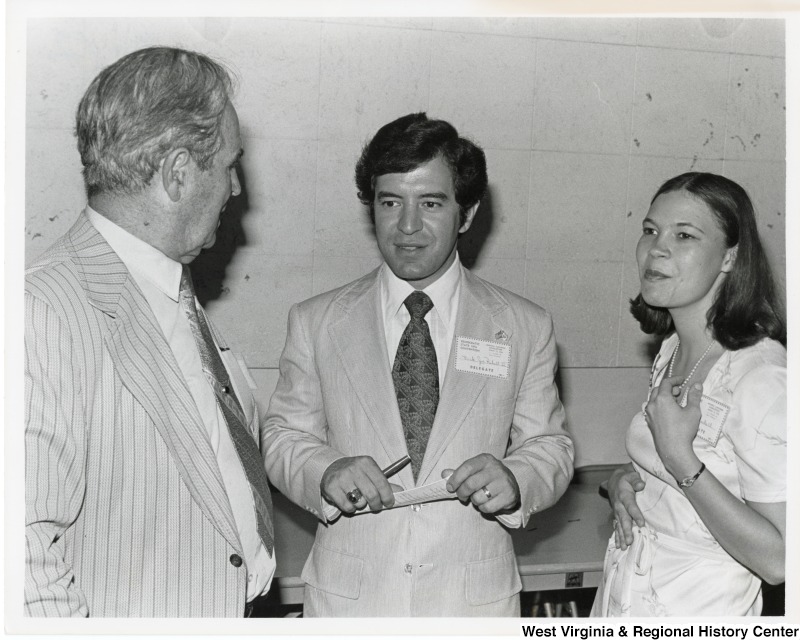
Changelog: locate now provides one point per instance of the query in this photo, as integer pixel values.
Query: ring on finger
(354, 495)
(487, 493)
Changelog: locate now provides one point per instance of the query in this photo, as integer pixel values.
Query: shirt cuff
(511, 520)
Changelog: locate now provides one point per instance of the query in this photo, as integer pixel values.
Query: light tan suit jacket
(126, 512)
(335, 398)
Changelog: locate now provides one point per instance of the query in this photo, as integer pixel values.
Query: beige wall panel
(342, 225)
(736, 35)
(517, 27)
(254, 302)
(600, 404)
(583, 98)
(680, 103)
(509, 274)
(577, 207)
(578, 295)
(484, 85)
(370, 76)
(279, 176)
(581, 121)
(756, 109)
(278, 62)
(54, 193)
(603, 30)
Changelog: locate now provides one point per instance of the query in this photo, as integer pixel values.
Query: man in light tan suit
(145, 488)
(419, 357)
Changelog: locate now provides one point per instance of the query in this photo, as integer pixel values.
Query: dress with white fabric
(675, 567)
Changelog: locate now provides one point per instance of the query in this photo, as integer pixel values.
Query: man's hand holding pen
(351, 484)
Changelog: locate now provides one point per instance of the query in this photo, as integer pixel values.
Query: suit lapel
(480, 315)
(145, 364)
(358, 336)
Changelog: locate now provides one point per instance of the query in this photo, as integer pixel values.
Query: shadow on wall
(208, 270)
(471, 242)
(651, 347)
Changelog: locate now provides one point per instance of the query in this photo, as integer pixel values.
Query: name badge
(713, 414)
(483, 357)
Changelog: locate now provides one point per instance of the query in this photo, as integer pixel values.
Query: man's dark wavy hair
(746, 308)
(412, 140)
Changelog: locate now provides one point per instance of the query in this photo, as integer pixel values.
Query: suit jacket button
(236, 560)
(226, 389)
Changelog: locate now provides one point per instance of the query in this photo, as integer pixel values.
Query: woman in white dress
(700, 514)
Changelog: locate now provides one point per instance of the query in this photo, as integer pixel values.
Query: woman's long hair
(746, 307)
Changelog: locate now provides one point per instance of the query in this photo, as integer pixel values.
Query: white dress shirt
(159, 277)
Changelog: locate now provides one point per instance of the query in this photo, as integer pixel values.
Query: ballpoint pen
(355, 495)
(395, 466)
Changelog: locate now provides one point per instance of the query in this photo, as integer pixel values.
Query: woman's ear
(730, 258)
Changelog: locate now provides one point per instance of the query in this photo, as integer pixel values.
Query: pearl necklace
(691, 373)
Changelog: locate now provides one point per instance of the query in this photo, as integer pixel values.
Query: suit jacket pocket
(334, 572)
(492, 580)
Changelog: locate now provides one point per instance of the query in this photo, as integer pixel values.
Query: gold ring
(354, 495)
(487, 493)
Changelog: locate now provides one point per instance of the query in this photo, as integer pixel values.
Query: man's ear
(469, 216)
(730, 259)
(174, 172)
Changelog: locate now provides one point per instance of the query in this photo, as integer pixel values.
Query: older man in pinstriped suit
(145, 490)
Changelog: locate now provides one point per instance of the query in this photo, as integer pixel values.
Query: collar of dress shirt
(443, 292)
(140, 258)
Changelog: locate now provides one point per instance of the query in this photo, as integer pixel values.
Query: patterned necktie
(416, 379)
(243, 441)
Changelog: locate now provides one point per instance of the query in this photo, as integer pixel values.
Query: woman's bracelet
(689, 480)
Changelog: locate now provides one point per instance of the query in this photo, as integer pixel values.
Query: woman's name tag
(482, 357)
(712, 416)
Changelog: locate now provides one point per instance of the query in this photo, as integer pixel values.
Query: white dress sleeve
(759, 437)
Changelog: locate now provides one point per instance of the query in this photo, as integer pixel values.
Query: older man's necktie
(243, 441)
(416, 379)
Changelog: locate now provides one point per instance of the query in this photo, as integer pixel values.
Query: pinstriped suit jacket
(126, 512)
(335, 398)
